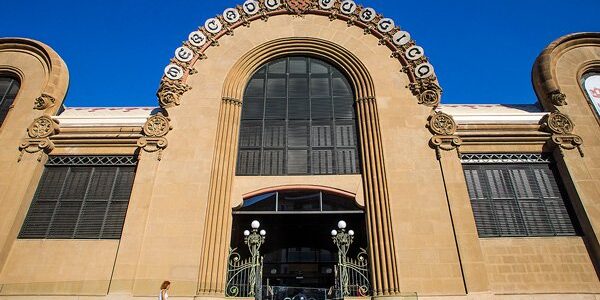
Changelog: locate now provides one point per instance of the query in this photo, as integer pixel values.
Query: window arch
(298, 118)
(9, 87)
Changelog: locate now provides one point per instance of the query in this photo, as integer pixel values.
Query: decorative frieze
(403, 48)
(39, 132)
(155, 129)
(43, 102)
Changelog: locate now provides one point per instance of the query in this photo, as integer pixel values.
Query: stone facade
(178, 222)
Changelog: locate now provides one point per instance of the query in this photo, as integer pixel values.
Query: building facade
(300, 114)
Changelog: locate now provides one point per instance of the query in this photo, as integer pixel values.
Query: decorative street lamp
(254, 239)
(343, 240)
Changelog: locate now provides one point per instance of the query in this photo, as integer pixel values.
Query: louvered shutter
(517, 200)
(82, 202)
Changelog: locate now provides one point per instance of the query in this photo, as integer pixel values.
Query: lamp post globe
(255, 224)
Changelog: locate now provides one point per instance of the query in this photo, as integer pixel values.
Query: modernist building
(300, 114)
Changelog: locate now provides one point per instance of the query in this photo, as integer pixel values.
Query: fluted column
(217, 222)
(384, 271)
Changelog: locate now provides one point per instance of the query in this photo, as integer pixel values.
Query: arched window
(298, 118)
(9, 87)
(591, 85)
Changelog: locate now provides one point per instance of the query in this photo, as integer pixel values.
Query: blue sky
(116, 51)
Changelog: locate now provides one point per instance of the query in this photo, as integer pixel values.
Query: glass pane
(255, 88)
(340, 85)
(278, 67)
(275, 108)
(298, 87)
(298, 134)
(332, 202)
(265, 202)
(297, 162)
(299, 201)
(344, 108)
(298, 108)
(319, 87)
(276, 87)
(322, 161)
(321, 108)
(253, 108)
(298, 65)
(318, 67)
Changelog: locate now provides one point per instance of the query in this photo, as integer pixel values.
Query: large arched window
(298, 118)
(9, 87)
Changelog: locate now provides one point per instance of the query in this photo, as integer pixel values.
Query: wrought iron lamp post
(254, 239)
(343, 240)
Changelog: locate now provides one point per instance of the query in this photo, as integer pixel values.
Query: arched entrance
(300, 257)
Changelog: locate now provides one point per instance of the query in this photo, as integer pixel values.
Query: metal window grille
(81, 197)
(9, 87)
(504, 158)
(298, 118)
(511, 198)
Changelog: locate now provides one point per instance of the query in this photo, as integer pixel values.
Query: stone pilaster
(218, 214)
(382, 255)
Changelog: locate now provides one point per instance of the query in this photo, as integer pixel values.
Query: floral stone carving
(170, 92)
(561, 127)
(39, 132)
(559, 123)
(442, 124)
(155, 129)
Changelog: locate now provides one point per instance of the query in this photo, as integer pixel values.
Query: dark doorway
(299, 254)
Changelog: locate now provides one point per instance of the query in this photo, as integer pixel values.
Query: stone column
(382, 255)
(217, 226)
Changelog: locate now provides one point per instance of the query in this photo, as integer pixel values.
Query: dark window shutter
(517, 200)
(78, 201)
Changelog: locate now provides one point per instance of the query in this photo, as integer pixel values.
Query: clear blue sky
(483, 51)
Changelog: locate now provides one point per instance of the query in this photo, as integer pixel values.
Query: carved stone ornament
(558, 98)
(299, 6)
(155, 129)
(232, 101)
(157, 126)
(43, 102)
(561, 127)
(43, 127)
(170, 92)
(568, 142)
(442, 124)
(559, 123)
(39, 132)
(429, 98)
(446, 143)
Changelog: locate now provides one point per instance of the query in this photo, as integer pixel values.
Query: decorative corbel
(43, 102)
(170, 92)
(427, 93)
(558, 98)
(155, 129)
(444, 128)
(561, 127)
(39, 132)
